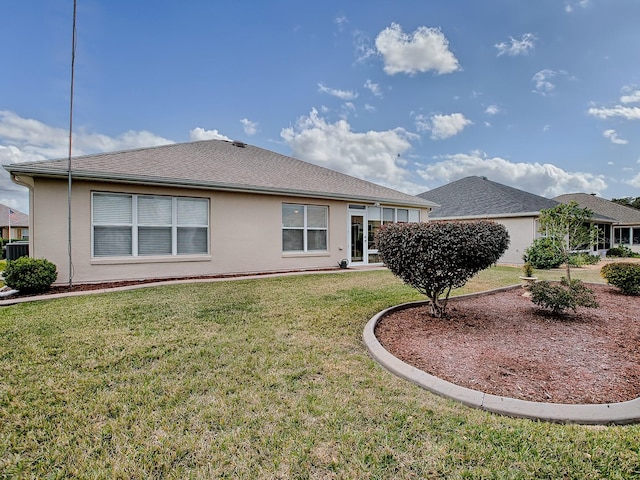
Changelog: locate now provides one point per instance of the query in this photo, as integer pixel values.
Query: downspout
(27, 182)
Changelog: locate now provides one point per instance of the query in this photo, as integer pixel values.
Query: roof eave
(181, 183)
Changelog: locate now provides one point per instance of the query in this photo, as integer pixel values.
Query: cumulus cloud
(613, 137)
(546, 179)
(250, 128)
(341, 22)
(26, 139)
(424, 50)
(629, 113)
(341, 94)
(635, 181)
(372, 155)
(542, 80)
(442, 126)
(373, 87)
(516, 47)
(200, 133)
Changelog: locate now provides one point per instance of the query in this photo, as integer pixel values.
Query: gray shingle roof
(601, 206)
(475, 196)
(220, 165)
(18, 219)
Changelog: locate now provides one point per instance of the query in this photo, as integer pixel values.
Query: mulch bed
(503, 344)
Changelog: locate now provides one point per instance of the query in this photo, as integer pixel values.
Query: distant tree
(435, 257)
(633, 202)
(569, 228)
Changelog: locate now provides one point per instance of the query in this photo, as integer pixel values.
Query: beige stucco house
(203, 208)
(475, 198)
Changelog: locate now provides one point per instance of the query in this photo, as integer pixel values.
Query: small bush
(621, 251)
(560, 296)
(581, 259)
(624, 275)
(543, 254)
(30, 275)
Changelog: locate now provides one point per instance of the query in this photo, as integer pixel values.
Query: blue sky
(543, 96)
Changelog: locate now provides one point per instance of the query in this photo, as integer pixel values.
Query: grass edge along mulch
(264, 378)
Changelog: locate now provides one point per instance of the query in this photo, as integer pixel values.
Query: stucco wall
(522, 232)
(245, 235)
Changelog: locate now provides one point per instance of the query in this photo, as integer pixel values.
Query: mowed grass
(263, 378)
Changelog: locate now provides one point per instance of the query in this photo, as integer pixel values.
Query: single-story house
(203, 208)
(14, 225)
(625, 220)
(478, 198)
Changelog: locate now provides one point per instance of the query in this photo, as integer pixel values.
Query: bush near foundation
(30, 275)
(624, 275)
(543, 254)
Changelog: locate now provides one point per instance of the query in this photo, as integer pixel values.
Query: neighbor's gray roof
(18, 219)
(478, 197)
(220, 165)
(602, 207)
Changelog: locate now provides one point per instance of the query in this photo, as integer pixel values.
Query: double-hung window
(304, 228)
(148, 225)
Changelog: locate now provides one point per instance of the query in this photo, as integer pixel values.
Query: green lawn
(264, 378)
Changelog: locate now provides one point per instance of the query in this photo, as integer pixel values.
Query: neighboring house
(203, 208)
(475, 198)
(17, 222)
(625, 220)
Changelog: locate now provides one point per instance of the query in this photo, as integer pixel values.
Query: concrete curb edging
(586, 414)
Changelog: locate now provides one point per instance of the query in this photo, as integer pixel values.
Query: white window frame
(135, 225)
(305, 228)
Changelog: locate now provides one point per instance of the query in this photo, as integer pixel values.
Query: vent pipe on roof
(238, 143)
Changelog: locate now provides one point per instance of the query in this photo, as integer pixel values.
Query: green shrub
(581, 259)
(621, 251)
(624, 275)
(30, 275)
(435, 257)
(543, 254)
(559, 296)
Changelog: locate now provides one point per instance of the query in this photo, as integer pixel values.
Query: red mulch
(505, 345)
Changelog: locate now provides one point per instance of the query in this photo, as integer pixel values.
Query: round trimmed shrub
(30, 275)
(543, 254)
(624, 275)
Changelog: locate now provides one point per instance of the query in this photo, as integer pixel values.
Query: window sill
(305, 254)
(150, 259)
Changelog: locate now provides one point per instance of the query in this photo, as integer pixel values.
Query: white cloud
(517, 47)
(635, 181)
(369, 108)
(492, 110)
(629, 113)
(342, 94)
(373, 87)
(424, 50)
(26, 139)
(363, 46)
(341, 22)
(372, 156)
(633, 97)
(200, 133)
(442, 126)
(250, 128)
(542, 179)
(570, 6)
(613, 137)
(543, 83)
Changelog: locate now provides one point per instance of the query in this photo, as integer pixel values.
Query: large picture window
(304, 228)
(145, 225)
